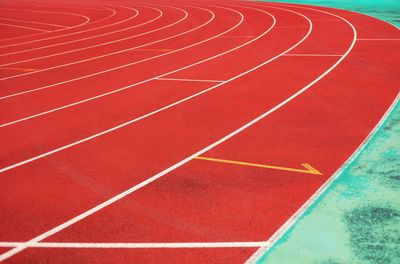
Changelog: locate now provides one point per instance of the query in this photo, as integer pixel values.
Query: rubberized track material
(159, 132)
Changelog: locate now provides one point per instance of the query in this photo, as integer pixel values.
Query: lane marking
(31, 28)
(308, 169)
(31, 22)
(73, 33)
(87, 19)
(291, 221)
(137, 245)
(187, 80)
(82, 39)
(110, 201)
(19, 69)
(106, 43)
(313, 55)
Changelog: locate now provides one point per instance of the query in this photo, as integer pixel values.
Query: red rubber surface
(76, 94)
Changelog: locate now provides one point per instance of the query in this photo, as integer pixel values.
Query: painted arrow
(308, 168)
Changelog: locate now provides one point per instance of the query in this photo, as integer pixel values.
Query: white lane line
(18, 26)
(293, 219)
(378, 39)
(177, 165)
(58, 30)
(138, 245)
(125, 65)
(75, 40)
(314, 55)
(65, 28)
(32, 22)
(87, 19)
(102, 44)
(64, 35)
(186, 80)
(160, 76)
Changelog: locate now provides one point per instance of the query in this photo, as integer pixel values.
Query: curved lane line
(32, 22)
(68, 34)
(66, 42)
(18, 26)
(43, 33)
(87, 47)
(101, 44)
(87, 19)
(162, 173)
(110, 54)
(72, 41)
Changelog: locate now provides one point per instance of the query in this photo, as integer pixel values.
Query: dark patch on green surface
(327, 262)
(374, 234)
(389, 172)
(393, 123)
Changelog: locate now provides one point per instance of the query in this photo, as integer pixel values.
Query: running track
(122, 125)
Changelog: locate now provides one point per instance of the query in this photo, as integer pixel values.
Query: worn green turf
(357, 220)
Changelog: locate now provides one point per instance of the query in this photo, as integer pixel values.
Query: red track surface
(103, 116)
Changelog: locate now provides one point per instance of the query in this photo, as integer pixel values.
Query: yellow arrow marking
(153, 50)
(308, 169)
(18, 69)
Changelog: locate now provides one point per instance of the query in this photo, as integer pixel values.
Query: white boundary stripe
(186, 80)
(173, 167)
(254, 244)
(87, 19)
(112, 53)
(82, 39)
(32, 22)
(314, 55)
(43, 33)
(18, 26)
(293, 219)
(69, 34)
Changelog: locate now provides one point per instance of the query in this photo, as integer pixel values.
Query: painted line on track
(253, 244)
(68, 34)
(102, 44)
(82, 39)
(77, 40)
(32, 22)
(44, 33)
(308, 167)
(19, 26)
(87, 19)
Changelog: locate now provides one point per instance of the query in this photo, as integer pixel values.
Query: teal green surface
(357, 220)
